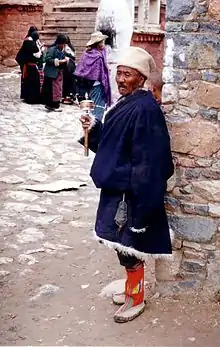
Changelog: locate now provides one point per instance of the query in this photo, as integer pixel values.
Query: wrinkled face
(128, 80)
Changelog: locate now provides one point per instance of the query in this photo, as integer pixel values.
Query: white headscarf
(138, 59)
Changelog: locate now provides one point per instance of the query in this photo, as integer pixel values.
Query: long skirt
(30, 84)
(97, 94)
(52, 91)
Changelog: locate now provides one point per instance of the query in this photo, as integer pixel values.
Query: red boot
(134, 296)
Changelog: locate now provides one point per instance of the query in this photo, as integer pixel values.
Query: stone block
(193, 228)
(214, 210)
(214, 9)
(209, 247)
(176, 9)
(173, 27)
(208, 95)
(201, 9)
(191, 173)
(213, 268)
(200, 138)
(186, 162)
(194, 51)
(171, 75)
(193, 266)
(171, 203)
(191, 254)
(192, 208)
(209, 114)
(209, 76)
(203, 162)
(190, 26)
(211, 174)
(167, 269)
(185, 106)
(171, 183)
(193, 245)
(177, 244)
(169, 94)
(196, 267)
(209, 190)
(210, 27)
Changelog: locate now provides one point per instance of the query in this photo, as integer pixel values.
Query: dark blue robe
(133, 156)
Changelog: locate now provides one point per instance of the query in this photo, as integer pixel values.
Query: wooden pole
(86, 142)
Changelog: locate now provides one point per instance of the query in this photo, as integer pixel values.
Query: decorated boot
(134, 296)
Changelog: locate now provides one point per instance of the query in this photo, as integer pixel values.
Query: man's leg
(134, 289)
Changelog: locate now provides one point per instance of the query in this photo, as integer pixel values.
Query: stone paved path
(52, 271)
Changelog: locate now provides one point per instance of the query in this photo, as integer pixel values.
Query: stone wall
(191, 98)
(15, 20)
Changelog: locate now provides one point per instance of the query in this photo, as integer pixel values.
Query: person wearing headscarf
(68, 77)
(132, 164)
(29, 55)
(92, 74)
(53, 74)
(32, 44)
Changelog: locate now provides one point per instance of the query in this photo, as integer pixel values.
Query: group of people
(46, 75)
(51, 76)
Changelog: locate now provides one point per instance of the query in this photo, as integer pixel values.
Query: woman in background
(92, 74)
(28, 57)
(53, 74)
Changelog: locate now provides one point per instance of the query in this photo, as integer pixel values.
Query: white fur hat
(138, 59)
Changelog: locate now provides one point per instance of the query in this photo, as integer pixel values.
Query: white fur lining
(133, 252)
(138, 231)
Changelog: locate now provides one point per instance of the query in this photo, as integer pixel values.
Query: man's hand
(86, 121)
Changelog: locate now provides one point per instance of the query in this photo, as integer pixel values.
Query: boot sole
(118, 319)
(117, 303)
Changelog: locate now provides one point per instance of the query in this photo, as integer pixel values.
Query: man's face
(128, 80)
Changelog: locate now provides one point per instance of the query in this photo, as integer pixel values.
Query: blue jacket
(50, 70)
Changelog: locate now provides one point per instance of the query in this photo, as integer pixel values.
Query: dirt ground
(52, 271)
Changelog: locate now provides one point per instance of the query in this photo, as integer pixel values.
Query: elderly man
(132, 165)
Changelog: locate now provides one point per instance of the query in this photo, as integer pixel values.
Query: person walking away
(68, 74)
(92, 74)
(53, 74)
(132, 164)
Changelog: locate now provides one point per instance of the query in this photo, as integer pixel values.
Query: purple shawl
(93, 66)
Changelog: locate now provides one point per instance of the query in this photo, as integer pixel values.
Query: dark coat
(50, 70)
(133, 156)
(25, 53)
